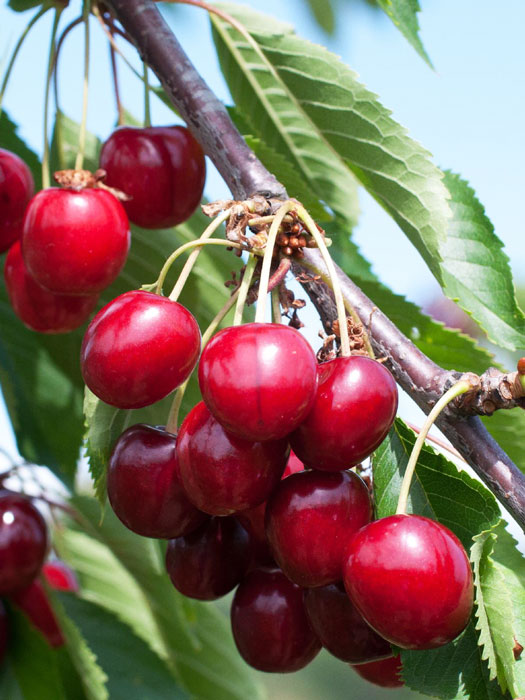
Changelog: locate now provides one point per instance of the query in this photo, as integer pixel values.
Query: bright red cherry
(385, 672)
(138, 348)
(210, 561)
(23, 542)
(354, 409)
(37, 308)
(16, 189)
(341, 628)
(60, 576)
(222, 473)
(75, 242)
(410, 578)
(34, 602)
(144, 485)
(310, 518)
(259, 380)
(270, 625)
(161, 168)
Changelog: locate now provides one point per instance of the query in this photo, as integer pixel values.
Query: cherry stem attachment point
(457, 389)
(243, 289)
(79, 161)
(46, 177)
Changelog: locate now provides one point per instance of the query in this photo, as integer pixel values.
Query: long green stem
(46, 176)
(267, 260)
(79, 161)
(459, 388)
(16, 50)
(58, 48)
(276, 306)
(243, 289)
(147, 103)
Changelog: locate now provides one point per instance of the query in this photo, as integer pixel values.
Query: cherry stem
(116, 88)
(263, 220)
(172, 423)
(276, 306)
(16, 50)
(243, 289)
(46, 176)
(58, 48)
(267, 259)
(188, 266)
(79, 161)
(147, 105)
(457, 389)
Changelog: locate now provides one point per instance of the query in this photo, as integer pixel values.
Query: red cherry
(37, 308)
(385, 672)
(410, 578)
(354, 409)
(270, 625)
(310, 518)
(16, 189)
(23, 542)
(258, 380)
(33, 601)
(60, 576)
(341, 628)
(138, 348)
(223, 473)
(162, 168)
(144, 485)
(210, 561)
(75, 242)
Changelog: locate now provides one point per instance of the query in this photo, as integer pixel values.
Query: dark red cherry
(310, 518)
(258, 380)
(341, 628)
(60, 576)
(161, 168)
(222, 473)
(3, 632)
(354, 409)
(385, 672)
(34, 602)
(16, 189)
(23, 542)
(144, 485)
(37, 308)
(270, 625)
(75, 242)
(210, 561)
(410, 578)
(138, 348)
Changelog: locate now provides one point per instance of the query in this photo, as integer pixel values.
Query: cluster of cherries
(65, 245)
(23, 549)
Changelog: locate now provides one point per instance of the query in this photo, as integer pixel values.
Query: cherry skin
(37, 308)
(4, 632)
(60, 576)
(162, 169)
(270, 625)
(34, 602)
(354, 409)
(385, 672)
(23, 542)
(410, 578)
(310, 518)
(75, 242)
(258, 380)
(144, 485)
(222, 473)
(16, 189)
(210, 561)
(138, 348)
(341, 628)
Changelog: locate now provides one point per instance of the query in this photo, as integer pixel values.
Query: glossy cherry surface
(310, 518)
(340, 626)
(410, 578)
(222, 473)
(138, 348)
(16, 189)
(269, 623)
(4, 632)
(210, 561)
(75, 242)
(144, 485)
(385, 673)
(161, 168)
(355, 406)
(60, 576)
(34, 602)
(258, 380)
(23, 542)
(37, 308)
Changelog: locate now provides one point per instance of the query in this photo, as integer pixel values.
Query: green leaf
(323, 11)
(403, 14)
(476, 271)
(12, 142)
(23, 5)
(306, 104)
(508, 429)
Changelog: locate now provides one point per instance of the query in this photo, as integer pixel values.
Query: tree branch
(245, 175)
